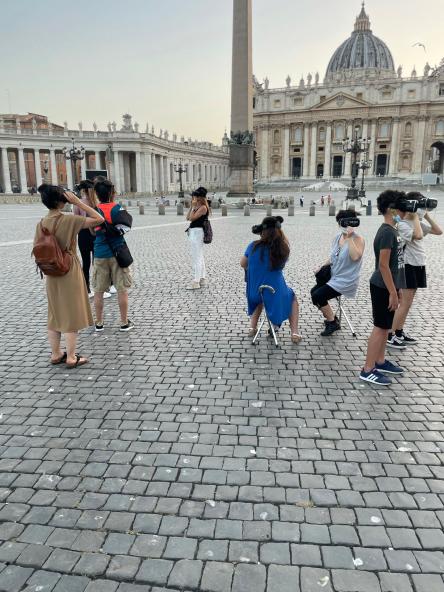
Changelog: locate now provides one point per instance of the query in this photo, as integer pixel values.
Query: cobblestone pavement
(184, 458)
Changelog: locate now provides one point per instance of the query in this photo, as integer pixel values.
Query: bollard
(138, 203)
(215, 205)
(269, 210)
(291, 210)
(352, 206)
(312, 210)
(246, 210)
(291, 200)
(141, 209)
(161, 210)
(180, 209)
(332, 210)
(224, 210)
(368, 209)
(130, 203)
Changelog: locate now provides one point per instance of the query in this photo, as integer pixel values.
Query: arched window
(440, 128)
(408, 129)
(322, 134)
(339, 131)
(276, 137)
(298, 134)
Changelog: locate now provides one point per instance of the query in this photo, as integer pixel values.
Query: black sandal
(60, 360)
(79, 362)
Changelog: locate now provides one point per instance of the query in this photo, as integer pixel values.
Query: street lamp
(364, 165)
(45, 169)
(73, 154)
(355, 146)
(181, 170)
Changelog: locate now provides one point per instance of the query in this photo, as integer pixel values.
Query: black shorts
(320, 295)
(382, 316)
(415, 276)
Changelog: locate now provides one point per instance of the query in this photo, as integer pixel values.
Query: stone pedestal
(269, 210)
(141, 209)
(224, 210)
(161, 210)
(332, 211)
(291, 210)
(241, 166)
(180, 209)
(312, 210)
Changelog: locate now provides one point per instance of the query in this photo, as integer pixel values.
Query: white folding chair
(265, 317)
(342, 313)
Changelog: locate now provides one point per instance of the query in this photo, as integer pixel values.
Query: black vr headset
(268, 222)
(352, 222)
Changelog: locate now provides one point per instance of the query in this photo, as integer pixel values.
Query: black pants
(86, 248)
(320, 295)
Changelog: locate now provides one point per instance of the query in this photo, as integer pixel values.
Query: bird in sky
(419, 45)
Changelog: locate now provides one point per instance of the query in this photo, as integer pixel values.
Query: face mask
(397, 218)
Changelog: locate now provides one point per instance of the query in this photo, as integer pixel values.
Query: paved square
(184, 458)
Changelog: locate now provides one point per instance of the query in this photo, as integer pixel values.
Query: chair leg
(261, 324)
(350, 326)
(272, 329)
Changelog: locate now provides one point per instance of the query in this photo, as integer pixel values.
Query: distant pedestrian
(68, 305)
(322, 201)
(301, 201)
(198, 216)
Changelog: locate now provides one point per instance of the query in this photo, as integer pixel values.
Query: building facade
(31, 152)
(299, 130)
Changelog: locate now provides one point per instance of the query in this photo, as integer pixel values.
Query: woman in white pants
(197, 214)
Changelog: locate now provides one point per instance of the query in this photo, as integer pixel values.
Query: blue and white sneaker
(389, 368)
(375, 377)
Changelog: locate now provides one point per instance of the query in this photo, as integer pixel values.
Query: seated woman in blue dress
(264, 261)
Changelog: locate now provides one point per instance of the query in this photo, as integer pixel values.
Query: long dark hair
(278, 247)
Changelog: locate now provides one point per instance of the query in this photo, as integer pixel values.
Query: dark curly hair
(52, 196)
(275, 240)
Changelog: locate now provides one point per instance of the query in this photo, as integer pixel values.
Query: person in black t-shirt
(386, 284)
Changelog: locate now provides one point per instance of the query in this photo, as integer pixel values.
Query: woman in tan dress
(68, 303)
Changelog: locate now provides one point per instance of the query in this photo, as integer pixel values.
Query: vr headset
(269, 222)
(352, 222)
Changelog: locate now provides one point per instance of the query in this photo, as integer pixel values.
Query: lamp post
(73, 154)
(355, 146)
(364, 165)
(180, 170)
(45, 168)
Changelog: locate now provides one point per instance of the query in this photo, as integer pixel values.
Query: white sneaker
(113, 290)
(193, 286)
(106, 295)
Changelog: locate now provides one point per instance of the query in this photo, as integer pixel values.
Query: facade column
(154, 172)
(419, 146)
(52, 158)
(313, 149)
(347, 168)
(372, 149)
(327, 159)
(148, 173)
(138, 172)
(38, 167)
(306, 168)
(116, 167)
(83, 168)
(394, 151)
(22, 169)
(98, 164)
(5, 170)
(286, 153)
(164, 172)
(264, 154)
(365, 129)
(69, 180)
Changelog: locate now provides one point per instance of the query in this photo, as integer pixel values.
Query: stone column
(139, 172)
(5, 170)
(313, 149)
(69, 180)
(286, 153)
(418, 155)
(52, 158)
(22, 169)
(241, 151)
(164, 171)
(394, 150)
(38, 167)
(98, 164)
(264, 154)
(372, 149)
(148, 174)
(347, 167)
(154, 172)
(116, 167)
(83, 168)
(327, 158)
(306, 168)
(365, 129)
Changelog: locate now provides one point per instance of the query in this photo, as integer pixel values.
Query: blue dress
(258, 272)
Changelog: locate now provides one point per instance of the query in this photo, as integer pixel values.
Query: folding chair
(265, 317)
(340, 312)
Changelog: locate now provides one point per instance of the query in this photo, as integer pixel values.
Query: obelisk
(241, 140)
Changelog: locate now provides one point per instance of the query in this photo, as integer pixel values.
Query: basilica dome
(362, 54)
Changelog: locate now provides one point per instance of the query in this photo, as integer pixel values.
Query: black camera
(352, 222)
(268, 222)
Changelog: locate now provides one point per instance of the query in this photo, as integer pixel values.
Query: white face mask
(342, 229)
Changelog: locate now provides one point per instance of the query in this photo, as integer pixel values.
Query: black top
(387, 238)
(200, 221)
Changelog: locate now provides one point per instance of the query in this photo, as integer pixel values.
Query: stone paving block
(14, 577)
(428, 583)
(61, 560)
(180, 548)
(34, 556)
(278, 553)
(313, 580)
(213, 550)
(102, 586)
(337, 557)
(186, 574)
(123, 567)
(217, 577)
(355, 581)
(395, 582)
(71, 584)
(249, 578)
(154, 571)
(306, 555)
(43, 581)
(283, 579)
(244, 551)
(92, 564)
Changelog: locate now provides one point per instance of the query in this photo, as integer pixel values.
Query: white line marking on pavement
(30, 241)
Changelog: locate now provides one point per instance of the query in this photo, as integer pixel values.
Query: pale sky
(168, 62)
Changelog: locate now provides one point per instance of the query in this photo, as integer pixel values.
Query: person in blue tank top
(264, 261)
(344, 263)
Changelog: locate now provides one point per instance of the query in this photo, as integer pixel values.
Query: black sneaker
(129, 325)
(408, 340)
(396, 343)
(330, 328)
(99, 327)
